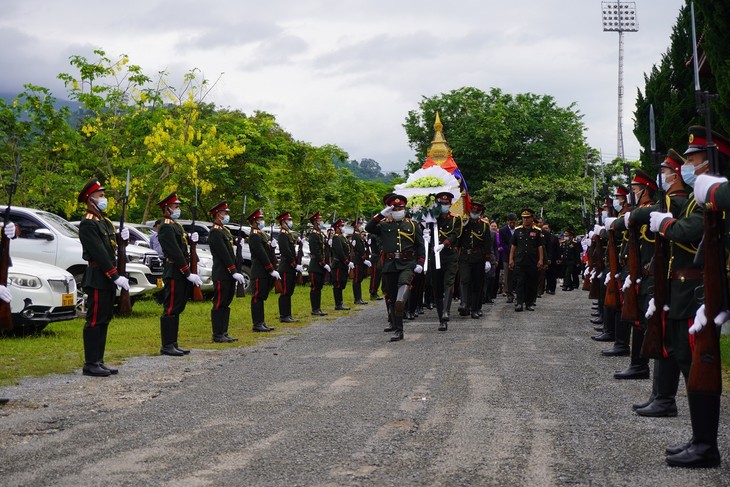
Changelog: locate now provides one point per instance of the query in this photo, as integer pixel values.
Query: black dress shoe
(95, 370)
(696, 456)
(360, 301)
(443, 326)
(341, 307)
(318, 312)
(375, 297)
(633, 372)
(397, 336)
(656, 410)
(530, 307)
(598, 328)
(673, 450)
(185, 351)
(111, 370)
(597, 321)
(616, 352)
(219, 339)
(518, 307)
(230, 338)
(475, 315)
(409, 316)
(287, 319)
(643, 404)
(603, 337)
(389, 329)
(596, 314)
(261, 328)
(171, 351)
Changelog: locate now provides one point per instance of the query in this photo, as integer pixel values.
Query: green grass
(58, 349)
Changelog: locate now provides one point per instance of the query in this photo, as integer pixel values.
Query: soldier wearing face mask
(263, 269)
(288, 266)
(474, 261)
(318, 264)
(403, 255)
(448, 230)
(176, 276)
(225, 273)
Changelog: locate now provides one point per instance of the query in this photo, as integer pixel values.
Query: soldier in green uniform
(341, 264)
(288, 266)
(446, 232)
(526, 255)
(318, 265)
(176, 276)
(403, 255)
(570, 258)
(360, 257)
(225, 273)
(661, 402)
(475, 254)
(263, 270)
(704, 406)
(101, 278)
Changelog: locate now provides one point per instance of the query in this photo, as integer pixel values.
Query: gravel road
(509, 399)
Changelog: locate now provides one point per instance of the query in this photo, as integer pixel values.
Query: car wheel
(247, 280)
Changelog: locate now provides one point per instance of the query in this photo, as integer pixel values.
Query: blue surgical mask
(175, 214)
(445, 208)
(225, 219)
(474, 216)
(617, 204)
(665, 184)
(288, 223)
(688, 173)
(262, 225)
(102, 203)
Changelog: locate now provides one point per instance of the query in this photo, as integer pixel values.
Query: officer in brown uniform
(101, 278)
(177, 276)
(526, 255)
(225, 273)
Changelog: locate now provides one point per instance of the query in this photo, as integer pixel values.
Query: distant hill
(73, 105)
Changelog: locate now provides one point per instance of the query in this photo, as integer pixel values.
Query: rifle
(705, 375)
(597, 265)
(6, 317)
(124, 306)
(197, 293)
(240, 289)
(630, 310)
(653, 346)
(278, 287)
(611, 298)
(300, 247)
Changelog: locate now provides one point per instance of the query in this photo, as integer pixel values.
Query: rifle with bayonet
(630, 308)
(653, 346)
(124, 304)
(597, 263)
(705, 375)
(6, 317)
(197, 292)
(241, 288)
(611, 298)
(300, 247)
(278, 286)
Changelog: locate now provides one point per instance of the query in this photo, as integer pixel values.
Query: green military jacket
(647, 241)
(360, 251)
(175, 246)
(224, 258)
(287, 251)
(261, 254)
(340, 251)
(99, 250)
(402, 242)
(376, 246)
(527, 243)
(570, 252)
(475, 242)
(317, 245)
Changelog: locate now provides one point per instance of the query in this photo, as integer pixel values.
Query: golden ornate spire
(440, 150)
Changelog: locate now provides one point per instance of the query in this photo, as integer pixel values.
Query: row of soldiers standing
(657, 243)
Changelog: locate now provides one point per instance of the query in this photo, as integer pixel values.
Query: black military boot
(666, 377)
(357, 293)
(609, 327)
(620, 347)
(316, 300)
(225, 320)
(398, 310)
(257, 317)
(102, 344)
(389, 309)
(215, 321)
(653, 390)
(338, 300)
(175, 327)
(464, 302)
(92, 353)
(639, 367)
(704, 412)
(168, 340)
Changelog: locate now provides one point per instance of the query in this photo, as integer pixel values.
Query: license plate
(160, 283)
(67, 300)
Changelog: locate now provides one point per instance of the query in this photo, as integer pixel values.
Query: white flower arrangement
(425, 182)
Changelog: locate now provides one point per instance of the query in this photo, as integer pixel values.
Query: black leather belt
(399, 255)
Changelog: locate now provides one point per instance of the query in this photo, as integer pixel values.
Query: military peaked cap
(314, 217)
(283, 216)
(527, 212)
(621, 190)
(476, 207)
(223, 205)
(396, 200)
(444, 197)
(253, 216)
(698, 141)
(91, 187)
(641, 177)
(170, 199)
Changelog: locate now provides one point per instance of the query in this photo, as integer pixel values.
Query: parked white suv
(48, 238)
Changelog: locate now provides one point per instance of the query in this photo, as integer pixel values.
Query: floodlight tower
(620, 17)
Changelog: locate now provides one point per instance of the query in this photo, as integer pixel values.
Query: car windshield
(63, 226)
(145, 230)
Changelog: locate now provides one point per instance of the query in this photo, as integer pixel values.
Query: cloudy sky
(346, 72)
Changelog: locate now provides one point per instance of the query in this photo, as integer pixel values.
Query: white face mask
(617, 204)
(175, 214)
(475, 216)
(445, 208)
(262, 225)
(604, 215)
(665, 184)
(398, 215)
(101, 203)
(288, 223)
(225, 219)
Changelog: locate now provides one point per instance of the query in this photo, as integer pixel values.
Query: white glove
(597, 229)
(327, 268)
(418, 269)
(627, 215)
(124, 234)
(195, 279)
(194, 237)
(487, 266)
(609, 221)
(650, 309)
(438, 247)
(329, 242)
(238, 277)
(656, 218)
(5, 294)
(350, 266)
(627, 283)
(591, 234)
(299, 268)
(386, 211)
(122, 282)
(9, 230)
(702, 186)
(586, 272)
(275, 275)
(367, 263)
(701, 319)
(353, 243)
(274, 243)
(607, 279)
(593, 274)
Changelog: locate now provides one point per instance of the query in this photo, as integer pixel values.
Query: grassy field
(59, 348)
